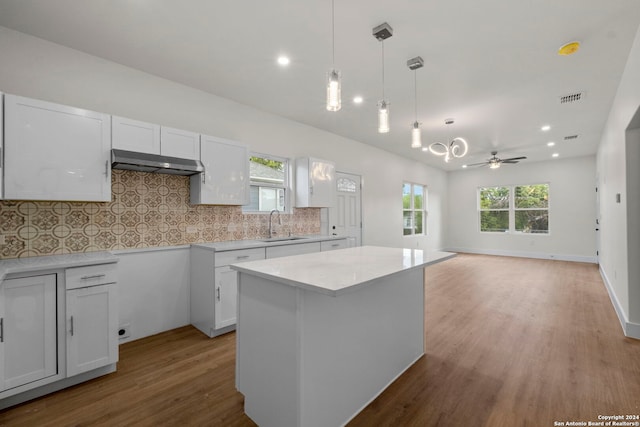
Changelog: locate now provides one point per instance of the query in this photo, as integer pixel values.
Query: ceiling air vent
(572, 98)
(571, 137)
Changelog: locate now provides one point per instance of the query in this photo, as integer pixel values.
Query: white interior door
(345, 217)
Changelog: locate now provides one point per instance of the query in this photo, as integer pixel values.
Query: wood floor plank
(509, 342)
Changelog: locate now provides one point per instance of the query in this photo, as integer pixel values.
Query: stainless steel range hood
(155, 163)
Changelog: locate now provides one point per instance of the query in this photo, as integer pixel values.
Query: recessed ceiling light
(357, 100)
(464, 166)
(555, 155)
(545, 128)
(550, 144)
(283, 60)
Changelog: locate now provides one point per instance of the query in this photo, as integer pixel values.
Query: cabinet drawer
(92, 275)
(330, 245)
(295, 249)
(241, 255)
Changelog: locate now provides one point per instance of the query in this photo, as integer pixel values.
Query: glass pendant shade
(334, 102)
(416, 136)
(383, 117)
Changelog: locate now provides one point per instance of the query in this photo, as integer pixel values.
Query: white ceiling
(491, 65)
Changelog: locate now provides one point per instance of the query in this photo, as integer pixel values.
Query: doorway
(345, 216)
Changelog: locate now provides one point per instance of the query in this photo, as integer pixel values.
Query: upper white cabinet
(143, 137)
(225, 180)
(134, 135)
(315, 183)
(55, 152)
(1, 146)
(179, 143)
(28, 341)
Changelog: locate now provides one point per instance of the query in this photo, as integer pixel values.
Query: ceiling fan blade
(514, 158)
(509, 161)
(478, 164)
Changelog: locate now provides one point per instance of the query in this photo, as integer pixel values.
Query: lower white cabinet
(92, 328)
(58, 327)
(214, 285)
(28, 326)
(226, 297)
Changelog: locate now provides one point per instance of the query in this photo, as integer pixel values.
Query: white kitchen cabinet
(332, 245)
(213, 287)
(134, 135)
(179, 143)
(92, 318)
(55, 152)
(226, 297)
(225, 180)
(297, 249)
(315, 183)
(1, 145)
(28, 326)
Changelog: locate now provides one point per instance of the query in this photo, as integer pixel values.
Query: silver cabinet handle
(218, 293)
(71, 330)
(2, 329)
(95, 276)
(335, 245)
(242, 257)
(106, 169)
(203, 178)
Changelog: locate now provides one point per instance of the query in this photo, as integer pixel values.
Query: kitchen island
(320, 335)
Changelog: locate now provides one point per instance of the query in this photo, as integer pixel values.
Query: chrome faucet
(271, 231)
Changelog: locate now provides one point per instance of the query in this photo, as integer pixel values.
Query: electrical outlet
(2, 240)
(124, 331)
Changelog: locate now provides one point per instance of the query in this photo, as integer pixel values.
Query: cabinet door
(1, 145)
(92, 328)
(226, 297)
(179, 143)
(321, 183)
(28, 342)
(133, 135)
(55, 152)
(225, 180)
(315, 183)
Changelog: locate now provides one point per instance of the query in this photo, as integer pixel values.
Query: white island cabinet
(55, 152)
(320, 335)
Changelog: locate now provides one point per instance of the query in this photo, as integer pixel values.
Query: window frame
(512, 210)
(286, 186)
(413, 210)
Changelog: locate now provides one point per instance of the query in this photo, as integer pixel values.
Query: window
(494, 209)
(269, 183)
(519, 208)
(414, 197)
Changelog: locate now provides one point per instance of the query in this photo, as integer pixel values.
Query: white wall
(39, 69)
(572, 214)
(612, 174)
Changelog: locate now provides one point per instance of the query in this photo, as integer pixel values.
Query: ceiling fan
(495, 162)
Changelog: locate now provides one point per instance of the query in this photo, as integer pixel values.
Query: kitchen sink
(282, 239)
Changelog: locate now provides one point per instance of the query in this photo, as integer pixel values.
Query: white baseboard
(630, 329)
(523, 254)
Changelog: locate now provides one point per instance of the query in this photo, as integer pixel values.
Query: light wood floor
(509, 342)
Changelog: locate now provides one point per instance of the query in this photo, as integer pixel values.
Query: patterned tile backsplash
(147, 210)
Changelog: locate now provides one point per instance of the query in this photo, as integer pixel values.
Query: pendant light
(416, 134)
(382, 32)
(456, 148)
(334, 101)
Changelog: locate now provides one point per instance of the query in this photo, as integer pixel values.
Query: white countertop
(343, 270)
(231, 245)
(52, 262)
